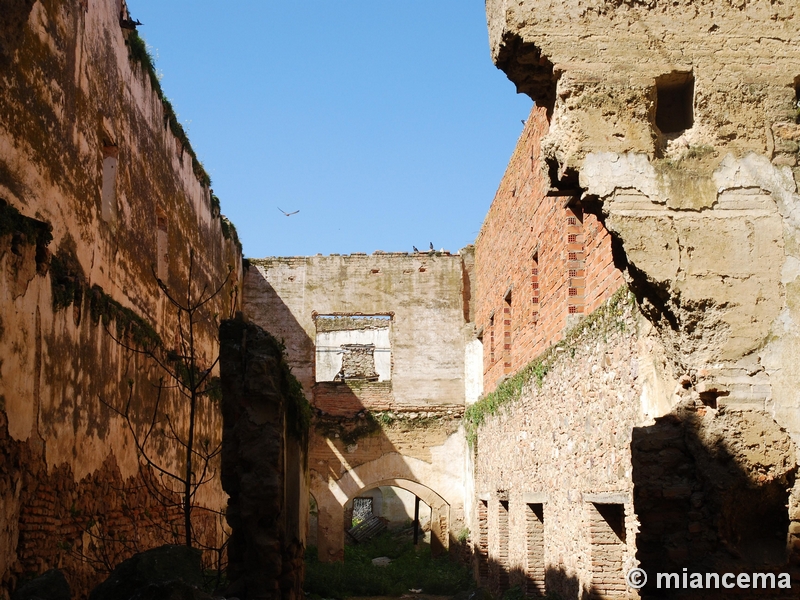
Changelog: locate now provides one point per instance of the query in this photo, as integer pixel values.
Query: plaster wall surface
(70, 100)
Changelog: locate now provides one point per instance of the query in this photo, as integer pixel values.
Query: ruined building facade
(659, 431)
(378, 343)
(101, 202)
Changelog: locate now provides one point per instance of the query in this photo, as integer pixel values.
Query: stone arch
(437, 488)
(440, 509)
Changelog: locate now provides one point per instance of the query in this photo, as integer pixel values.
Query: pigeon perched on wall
(415, 248)
(431, 245)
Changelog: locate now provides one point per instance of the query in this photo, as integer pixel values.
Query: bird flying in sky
(287, 213)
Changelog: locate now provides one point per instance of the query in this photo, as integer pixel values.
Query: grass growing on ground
(356, 576)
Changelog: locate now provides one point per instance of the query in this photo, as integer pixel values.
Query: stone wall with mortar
(88, 155)
(402, 431)
(563, 444)
(575, 483)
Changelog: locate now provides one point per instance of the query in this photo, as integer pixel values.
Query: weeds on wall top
(607, 318)
(138, 54)
(351, 429)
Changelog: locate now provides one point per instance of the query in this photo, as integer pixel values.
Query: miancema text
(688, 580)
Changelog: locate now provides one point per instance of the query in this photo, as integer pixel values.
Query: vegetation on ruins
(351, 429)
(608, 317)
(298, 408)
(410, 568)
(140, 55)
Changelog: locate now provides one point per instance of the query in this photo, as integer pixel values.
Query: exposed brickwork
(347, 398)
(534, 559)
(482, 552)
(606, 524)
(87, 526)
(544, 254)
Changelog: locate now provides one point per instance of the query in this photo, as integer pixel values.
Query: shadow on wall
(711, 489)
(558, 584)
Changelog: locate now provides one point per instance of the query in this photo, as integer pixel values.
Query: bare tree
(185, 384)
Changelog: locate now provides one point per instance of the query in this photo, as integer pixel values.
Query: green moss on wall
(129, 326)
(67, 279)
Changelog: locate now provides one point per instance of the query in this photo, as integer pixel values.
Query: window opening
(353, 347)
(162, 247)
(483, 541)
(674, 102)
(507, 333)
(502, 545)
(362, 509)
(491, 339)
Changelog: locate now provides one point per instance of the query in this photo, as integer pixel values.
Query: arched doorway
(392, 470)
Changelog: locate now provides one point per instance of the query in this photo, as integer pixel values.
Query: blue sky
(383, 121)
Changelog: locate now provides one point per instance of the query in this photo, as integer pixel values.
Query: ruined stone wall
(401, 427)
(687, 137)
(98, 197)
(554, 454)
(541, 261)
(419, 295)
(682, 139)
(575, 484)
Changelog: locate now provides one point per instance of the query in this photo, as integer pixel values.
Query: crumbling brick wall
(541, 261)
(399, 426)
(705, 489)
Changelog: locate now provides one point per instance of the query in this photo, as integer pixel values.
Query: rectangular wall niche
(607, 529)
(534, 564)
(674, 102)
(353, 347)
